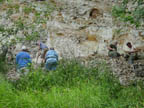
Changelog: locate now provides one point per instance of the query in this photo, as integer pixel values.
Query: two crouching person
(130, 52)
(23, 61)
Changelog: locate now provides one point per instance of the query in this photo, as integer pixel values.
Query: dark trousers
(131, 57)
(113, 54)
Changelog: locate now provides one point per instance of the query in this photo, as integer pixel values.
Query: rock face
(81, 28)
(84, 27)
(75, 28)
(126, 73)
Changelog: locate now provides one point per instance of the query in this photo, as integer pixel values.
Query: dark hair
(51, 48)
(26, 50)
(113, 46)
(128, 43)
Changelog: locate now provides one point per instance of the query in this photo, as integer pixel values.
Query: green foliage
(40, 19)
(68, 73)
(9, 12)
(134, 16)
(71, 86)
(14, 7)
(3, 66)
(6, 33)
(28, 10)
(1, 1)
(33, 36)
(2, 29)
(20, 24)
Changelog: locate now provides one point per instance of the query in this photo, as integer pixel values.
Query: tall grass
(1, 1)
(71, 86)
(3, 65)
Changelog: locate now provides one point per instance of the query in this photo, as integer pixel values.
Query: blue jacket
(42, 46)
(51, 55)
(23, 59)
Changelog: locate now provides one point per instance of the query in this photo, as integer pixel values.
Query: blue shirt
(51, 54)
(42, 46)
(23, 59)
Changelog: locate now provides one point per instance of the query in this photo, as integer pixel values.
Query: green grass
(28, 10)
(1, 1)
(70, 86)
(3, 65)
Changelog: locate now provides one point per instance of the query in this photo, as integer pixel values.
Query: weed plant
(1, 1)
(3, 65)
(72, 85)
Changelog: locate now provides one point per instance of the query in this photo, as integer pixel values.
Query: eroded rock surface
(126, 73)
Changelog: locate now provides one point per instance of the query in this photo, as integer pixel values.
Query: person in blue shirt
(51, 59)
(23, 59)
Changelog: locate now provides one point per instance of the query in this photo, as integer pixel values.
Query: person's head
(12, 48)
(129, 44)
(24, 48)
(51, 48)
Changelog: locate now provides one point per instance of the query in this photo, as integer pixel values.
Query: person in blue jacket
(51, 59)
(23, 60)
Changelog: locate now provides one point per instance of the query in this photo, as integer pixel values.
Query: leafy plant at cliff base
(133, 16)
(20, 24)
(6, 33)
(33, 36)
(13, 7)
(1, 1)
(28, 10)
(9, 12)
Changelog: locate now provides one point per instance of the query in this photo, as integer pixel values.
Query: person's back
(112, 50)
(51, 54)
(22, 59)
(42, 46)
(51, 59)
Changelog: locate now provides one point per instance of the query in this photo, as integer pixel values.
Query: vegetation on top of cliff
(130, 11)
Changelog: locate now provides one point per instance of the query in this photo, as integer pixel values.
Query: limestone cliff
(73, 27)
